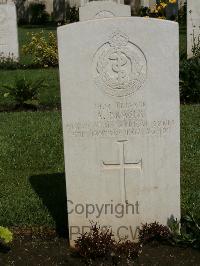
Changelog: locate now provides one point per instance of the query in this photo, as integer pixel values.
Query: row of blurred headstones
(57, 8)
(8, 17)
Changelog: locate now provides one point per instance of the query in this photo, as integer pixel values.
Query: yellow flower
(163, 5)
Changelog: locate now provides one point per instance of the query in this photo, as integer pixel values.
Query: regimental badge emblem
(120, 66)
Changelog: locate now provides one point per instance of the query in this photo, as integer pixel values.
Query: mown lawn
(182, 40)
(32, 190)
(190, 158)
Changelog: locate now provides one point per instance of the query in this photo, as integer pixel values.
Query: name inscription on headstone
(118, 120)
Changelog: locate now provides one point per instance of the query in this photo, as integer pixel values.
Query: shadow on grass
(51, 188)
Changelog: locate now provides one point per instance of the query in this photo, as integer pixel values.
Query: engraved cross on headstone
(122, 166)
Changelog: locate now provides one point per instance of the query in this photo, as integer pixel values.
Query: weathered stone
(84, 2)
(120, 109)
(8, 31)
(103, 9)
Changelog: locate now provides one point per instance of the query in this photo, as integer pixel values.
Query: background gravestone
(84, 2)
(103, 9)
(152, 4)
(8, 31)
(49, 6)
(193, 24)
(120, 122)
(59, 12)
(145, 3)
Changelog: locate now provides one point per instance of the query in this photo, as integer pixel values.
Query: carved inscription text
(120, 120)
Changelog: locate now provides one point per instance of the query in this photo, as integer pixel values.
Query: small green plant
(186, 232)
(189, 80)
(44, 50)
(37, 14)
(6, 235)
(8, 62)
(72, 13)
(195, 44)
(154, 231)
(24, 91)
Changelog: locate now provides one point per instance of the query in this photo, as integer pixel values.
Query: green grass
(182, 40)
(32, 190)
(190, 158)
(49, 96)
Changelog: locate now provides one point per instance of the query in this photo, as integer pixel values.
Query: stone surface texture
(120, 110)
(103, 9)
(84, 2)
(8, 31)
(152, 4)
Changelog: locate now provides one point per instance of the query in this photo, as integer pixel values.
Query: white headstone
(103, 9)
(8, 31)
(59, 12)
(120, 110)
(49, 6)
(152, 4)
(193, 24)
(145, 3)
(84, 2)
